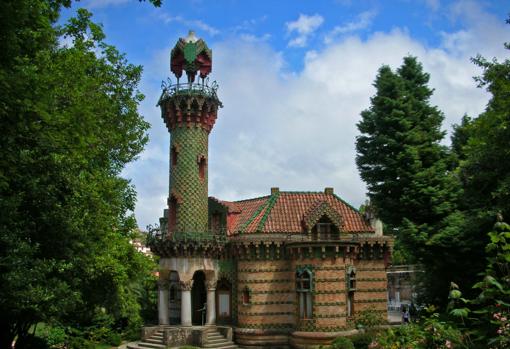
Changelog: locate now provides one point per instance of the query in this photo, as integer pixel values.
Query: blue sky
(293, 77)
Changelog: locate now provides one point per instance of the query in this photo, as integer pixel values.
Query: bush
(79, 343)
(342, 343)
(54, 335)
(114, 339)
(363, 340)
(369, 318)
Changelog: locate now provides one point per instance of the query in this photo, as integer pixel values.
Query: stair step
(151, 345)
(216, 340)
(226, 344)
(154, 340)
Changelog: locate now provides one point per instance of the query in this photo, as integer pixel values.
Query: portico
(196, 285)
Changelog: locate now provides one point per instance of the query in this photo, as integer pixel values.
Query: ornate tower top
(190, 103)
(192, 55)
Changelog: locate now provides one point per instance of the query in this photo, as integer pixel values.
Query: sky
(293, 78)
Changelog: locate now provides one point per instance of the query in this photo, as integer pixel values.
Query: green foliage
(432, 333)
(369, 318)
(342, 343)
(407, 170)
(399, 155)
(69, 126)
(363, 340)
(490, 322)
(53, 335)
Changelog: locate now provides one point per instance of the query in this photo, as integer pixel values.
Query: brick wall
(272, 294)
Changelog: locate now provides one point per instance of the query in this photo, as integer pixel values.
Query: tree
(407, 171)
(69, 125)
(399, 155)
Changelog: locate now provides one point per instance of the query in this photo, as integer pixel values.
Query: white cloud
(304, 26)
(192, 24)
(363, 21)
(297, 131)
(103, 3)
(433, 4)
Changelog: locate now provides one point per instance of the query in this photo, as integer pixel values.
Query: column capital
(211, 285)
(163, 284)
(186, 285)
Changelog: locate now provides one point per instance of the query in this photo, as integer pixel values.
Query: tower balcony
(203, 89)
(190, 103)
(186, 243)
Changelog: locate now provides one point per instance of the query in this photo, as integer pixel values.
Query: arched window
(246, 296)
(201, 168)
(172, 214)
(304, 293)
(352, 280)
(173, 156)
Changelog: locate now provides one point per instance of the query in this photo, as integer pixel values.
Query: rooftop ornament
(192, 56)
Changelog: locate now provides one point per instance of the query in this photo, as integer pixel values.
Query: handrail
(202, 88)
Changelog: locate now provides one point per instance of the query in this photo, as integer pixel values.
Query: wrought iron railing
(155, 235)
(199, 88)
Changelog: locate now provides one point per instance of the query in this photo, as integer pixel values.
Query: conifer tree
(399, 155)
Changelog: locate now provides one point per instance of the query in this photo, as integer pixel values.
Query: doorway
(198, 299)
(224, 302)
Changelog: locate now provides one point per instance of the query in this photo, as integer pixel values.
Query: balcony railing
(155, 235)
(196, 88)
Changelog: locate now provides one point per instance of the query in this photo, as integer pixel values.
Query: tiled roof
(284, 212)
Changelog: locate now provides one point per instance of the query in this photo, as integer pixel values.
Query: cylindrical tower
(189, 110)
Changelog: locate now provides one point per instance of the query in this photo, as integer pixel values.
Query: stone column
(163, 302)
(186, 302)
(211, 303)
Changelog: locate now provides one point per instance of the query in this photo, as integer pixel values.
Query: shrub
(79, 343)
(54, 335)
(342, 343)
(114, 339)
(363, 340)
(369, 318)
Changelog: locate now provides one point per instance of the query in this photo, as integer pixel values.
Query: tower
(189, 111)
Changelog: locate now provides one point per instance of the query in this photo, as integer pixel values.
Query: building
(287, 269)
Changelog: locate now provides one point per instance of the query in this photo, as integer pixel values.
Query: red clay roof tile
(285, 214)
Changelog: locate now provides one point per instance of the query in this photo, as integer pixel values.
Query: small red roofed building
(289, 269)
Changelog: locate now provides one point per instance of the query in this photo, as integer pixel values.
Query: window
(352, 280)
(323, 228)
(246, 296)
(173, 156)
(224, 303)
(216, 221)
(350, 304)
(351, 285)
(172, 214)
(201, 168)
(304, 293)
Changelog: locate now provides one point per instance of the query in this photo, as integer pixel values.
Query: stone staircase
(153, 342)
(215, 340)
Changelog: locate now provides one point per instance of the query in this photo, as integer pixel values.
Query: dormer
(323, 222)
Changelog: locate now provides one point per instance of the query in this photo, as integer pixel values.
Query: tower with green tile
(189, 109)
